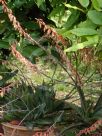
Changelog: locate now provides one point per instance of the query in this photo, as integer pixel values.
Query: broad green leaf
(32, 51)
(55, 11)
(96, 5)
(84, 3)
(19, 3)
(41, 4)
(55, 2)
(57, 15)
(72, 19)
(100, 3)
(83, 31)
(27, 50)
(4, 44)
(31, 25)
(95, 17)
(37, 52)
(87, 24)
(2, 28)
(92, 41)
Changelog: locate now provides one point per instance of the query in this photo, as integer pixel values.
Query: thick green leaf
(32, 51)
(31, 25)
(43, 121)
(4, 44)
(55, 2)
(95, 17)
(41, 4)
(87, 24)
(57, 15)
(83, 31)
(91, 42)
(84, 3)
(19, 3)
(100, 3)
(3, 27)
(27, 50)
(96, 5)
(72, 19)
(37, 52)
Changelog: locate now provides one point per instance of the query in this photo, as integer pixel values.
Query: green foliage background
(80, 21)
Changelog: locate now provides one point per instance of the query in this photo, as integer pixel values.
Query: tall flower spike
(23, 59)
(51, 33)
(95, 126)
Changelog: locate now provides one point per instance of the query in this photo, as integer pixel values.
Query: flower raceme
(51, 33)
(90, 129)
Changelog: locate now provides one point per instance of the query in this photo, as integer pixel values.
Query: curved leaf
(100, 3)
(96, 5)
(92, 41)
(72, 19)
(4, 44)
(84, 3)
(87, 23)
(83, 31)
(95, 17)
